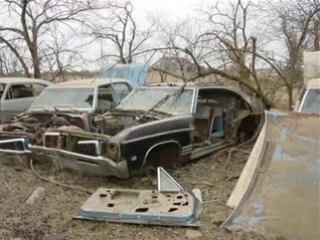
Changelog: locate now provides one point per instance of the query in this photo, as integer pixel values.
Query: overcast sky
(165, 9)
(178, 8)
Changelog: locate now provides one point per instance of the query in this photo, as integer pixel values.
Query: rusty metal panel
(168, 206)
(284, 195)
(248, 171)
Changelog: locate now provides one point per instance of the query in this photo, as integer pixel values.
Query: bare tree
(120, 29)
(34, 19)
(224, 48)
(232, 47)
(298, 22)
(59, 55)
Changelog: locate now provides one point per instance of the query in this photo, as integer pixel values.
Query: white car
(309, 101)
(17, 94)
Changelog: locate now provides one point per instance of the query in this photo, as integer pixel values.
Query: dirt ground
(50, 217)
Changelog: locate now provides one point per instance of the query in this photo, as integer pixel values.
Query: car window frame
(41, 84)
(4, 90)
(12, 84)
(9, 84)
(115, 92)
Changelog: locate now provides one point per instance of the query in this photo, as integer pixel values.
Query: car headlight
(113, 151)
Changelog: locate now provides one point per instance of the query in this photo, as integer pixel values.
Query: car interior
(19, 91)
(211, 112)
(105, 99)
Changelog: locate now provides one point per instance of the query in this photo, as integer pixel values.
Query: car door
(18, 97)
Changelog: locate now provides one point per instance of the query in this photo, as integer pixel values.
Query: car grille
(90, 148)
(12, 144)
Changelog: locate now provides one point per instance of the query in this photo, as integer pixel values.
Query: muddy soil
(50, 217)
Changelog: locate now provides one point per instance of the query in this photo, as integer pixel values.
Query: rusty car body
(156, 126)
(69, 104)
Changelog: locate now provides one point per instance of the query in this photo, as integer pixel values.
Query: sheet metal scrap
(283, 196)
(170, 205)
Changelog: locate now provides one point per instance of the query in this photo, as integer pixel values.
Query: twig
(230, 155)
(212, 201)
(201, 183)
(57, 183)
(232, 178)
(6, 184)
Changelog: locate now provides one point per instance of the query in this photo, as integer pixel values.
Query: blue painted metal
(284, 195)
(135, 73)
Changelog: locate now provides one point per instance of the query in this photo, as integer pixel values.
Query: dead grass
(51, 216)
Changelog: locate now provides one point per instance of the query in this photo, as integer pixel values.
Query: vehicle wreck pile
(148, 127)
(34, 126)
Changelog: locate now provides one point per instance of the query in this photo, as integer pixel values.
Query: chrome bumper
(84, 163)
(9, 149)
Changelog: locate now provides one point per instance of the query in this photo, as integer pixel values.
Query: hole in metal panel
(177, 204)
(110, 205)
(103, 195)
(185, 204)
(173, 209)
(142, 209)
(179, 197)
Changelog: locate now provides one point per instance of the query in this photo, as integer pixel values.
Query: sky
(176, 8)
(165, 9)
(168, 10)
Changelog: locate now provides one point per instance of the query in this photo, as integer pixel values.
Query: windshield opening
(311, 103)
(146, 98)
(77, 98)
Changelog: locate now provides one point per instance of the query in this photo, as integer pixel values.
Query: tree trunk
(35, 57)
(317, 35)
(36, 64)
(290, 98)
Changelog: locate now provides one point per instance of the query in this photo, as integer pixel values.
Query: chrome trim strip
(12, 140)
(32, 147)
(169, 119)
(158, 134)
(186, 150)
(14, 151)
(102, 164)
(303, 100)
(194, 101)
(52, 133)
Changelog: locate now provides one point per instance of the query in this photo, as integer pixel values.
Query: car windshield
(146, 98)
(311, 103)
(75, 98)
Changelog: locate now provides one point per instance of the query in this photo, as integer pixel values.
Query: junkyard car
(17, 94)
(309, 101)
(156, 126)
(69, 104)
